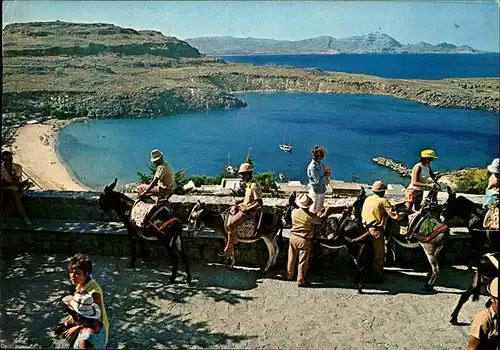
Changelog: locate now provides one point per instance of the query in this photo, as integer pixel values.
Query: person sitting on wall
(163, 184)
(375, 213)
(247, 209)
(13, 186)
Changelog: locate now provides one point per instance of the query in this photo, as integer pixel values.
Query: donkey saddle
(143, 214)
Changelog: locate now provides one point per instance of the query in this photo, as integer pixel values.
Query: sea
(352, 128)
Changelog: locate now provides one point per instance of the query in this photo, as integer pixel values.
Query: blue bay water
(403, 66)
(353, 128)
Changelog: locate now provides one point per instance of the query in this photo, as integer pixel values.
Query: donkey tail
(476, 286)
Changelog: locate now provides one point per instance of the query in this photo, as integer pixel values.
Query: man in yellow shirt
(163, 184)
(247, 209)
(303, 224)
(375, 213)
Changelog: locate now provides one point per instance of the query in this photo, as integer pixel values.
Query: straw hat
(494, 167)
(83, 304)
(245, 168)
(304, 201)
(379, 186)
(156, 155)
(428, 153)
(493, 288)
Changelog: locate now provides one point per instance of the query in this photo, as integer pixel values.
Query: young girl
(80, 268)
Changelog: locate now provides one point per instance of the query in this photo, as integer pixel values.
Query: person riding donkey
(246, 210)
(492, 196)
(163, 184)
(420, 176)
(375, 214)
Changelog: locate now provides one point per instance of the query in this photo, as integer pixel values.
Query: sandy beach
(34, 150)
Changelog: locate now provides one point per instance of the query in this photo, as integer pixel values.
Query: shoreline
(35, 148)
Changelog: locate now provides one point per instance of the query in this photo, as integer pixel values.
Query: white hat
(304, 201)
(245, 168)
(156, 155)
(83, 304)
(379, 186)
(493, 288)
(494, 167)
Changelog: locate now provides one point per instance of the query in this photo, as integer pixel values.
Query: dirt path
(237, 309)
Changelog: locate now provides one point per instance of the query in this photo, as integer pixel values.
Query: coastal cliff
(68, 70)
(370, 43)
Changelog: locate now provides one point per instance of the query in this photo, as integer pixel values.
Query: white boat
(228, 167)
(286, 147)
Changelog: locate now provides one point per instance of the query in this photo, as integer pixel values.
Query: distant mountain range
(371, 43)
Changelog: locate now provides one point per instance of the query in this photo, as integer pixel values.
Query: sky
(473, 23)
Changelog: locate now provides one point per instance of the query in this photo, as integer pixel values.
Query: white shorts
(318, 201)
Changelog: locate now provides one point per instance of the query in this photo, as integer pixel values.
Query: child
(80, 268)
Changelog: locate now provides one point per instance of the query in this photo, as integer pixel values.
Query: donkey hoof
(190, 283)
(360, 291)
(172, 279)
(131, 265)
(454, 321)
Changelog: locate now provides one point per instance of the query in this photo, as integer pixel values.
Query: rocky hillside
(79, 39)
(370, 43)
(129, 84)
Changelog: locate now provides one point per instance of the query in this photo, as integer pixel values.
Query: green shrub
(474, 182)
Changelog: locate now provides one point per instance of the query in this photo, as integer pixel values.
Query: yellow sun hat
(428, 153)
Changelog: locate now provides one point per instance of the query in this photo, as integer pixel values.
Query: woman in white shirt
(421, 175)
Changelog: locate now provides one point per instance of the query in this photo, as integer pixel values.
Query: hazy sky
(474, 23)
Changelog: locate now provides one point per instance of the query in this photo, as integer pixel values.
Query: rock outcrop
(79, 39)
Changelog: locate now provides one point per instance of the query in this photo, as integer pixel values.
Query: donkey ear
(450, 191)
(112, 186)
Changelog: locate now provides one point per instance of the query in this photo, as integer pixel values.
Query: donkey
(460, 211)
(347, 232)
(431, 244)
(487, 270)
(166, 228)
(270, 230)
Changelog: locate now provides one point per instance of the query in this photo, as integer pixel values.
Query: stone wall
(70, 222)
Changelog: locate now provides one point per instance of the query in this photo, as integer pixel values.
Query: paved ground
(237, 308)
